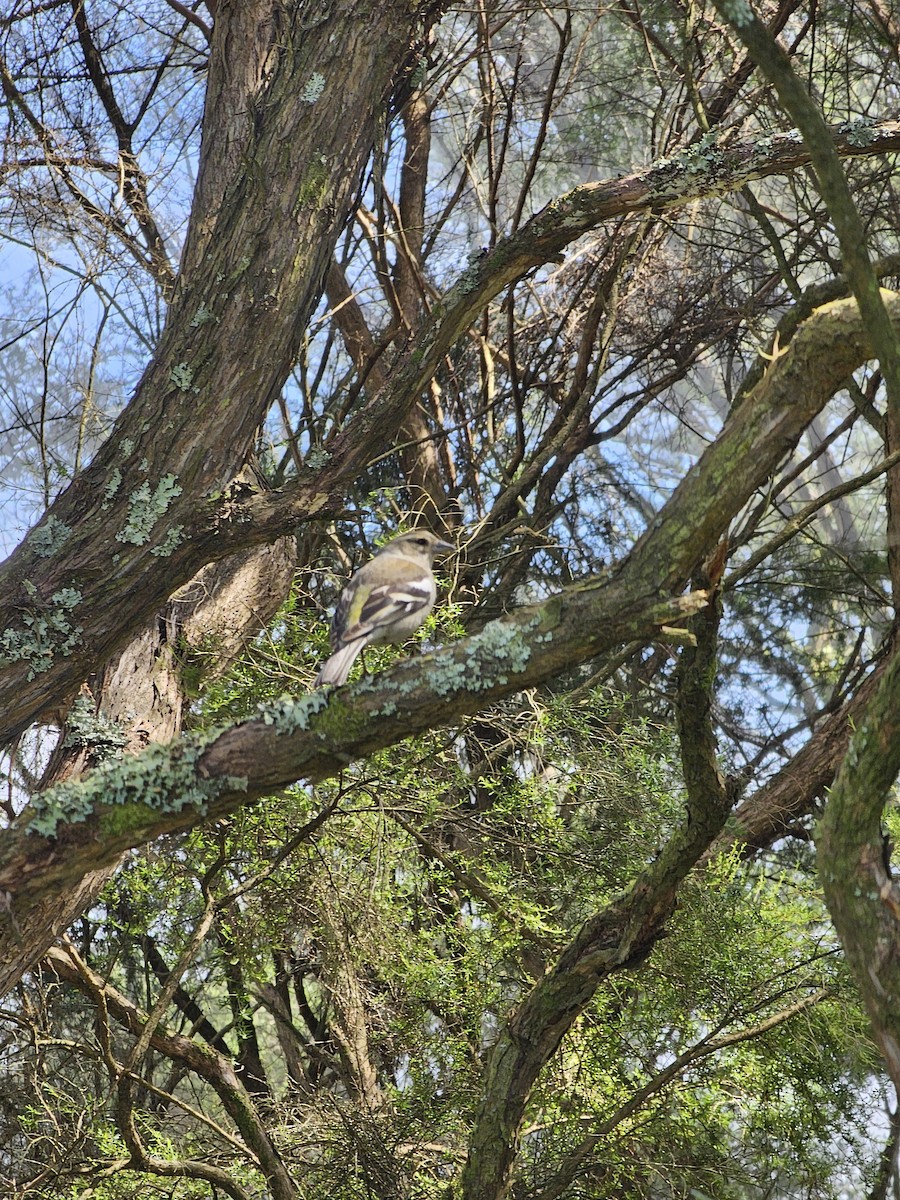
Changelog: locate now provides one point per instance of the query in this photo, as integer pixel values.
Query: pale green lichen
(499, 649)
(450, 677)
(203, 316)
(66, 597)
(170, 542)
(112, 486)
(126, 446)
(183, 377)
(317, 459)
(313, 88)
(288, 714)
(145, 507)
(861, 132)
(490, 658)
(162, 779)
(49, 536)
(93, 731)
(704, 157)
(468, 280)
(46, 631)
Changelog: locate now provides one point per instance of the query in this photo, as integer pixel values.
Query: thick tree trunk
(142, 691)
(293, 99)
(854, 862)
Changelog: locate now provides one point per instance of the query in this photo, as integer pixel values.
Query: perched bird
(385, 601)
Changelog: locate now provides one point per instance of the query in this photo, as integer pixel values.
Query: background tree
(566, 282)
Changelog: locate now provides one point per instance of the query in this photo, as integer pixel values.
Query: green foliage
(450, 873)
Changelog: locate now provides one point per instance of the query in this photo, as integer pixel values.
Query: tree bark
(293, 97)
(142, 690)
(615, 938)
(854, 863)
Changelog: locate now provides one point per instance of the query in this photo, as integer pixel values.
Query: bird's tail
(336, 668)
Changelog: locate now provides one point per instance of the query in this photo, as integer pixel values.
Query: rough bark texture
(293, 97)
(854, 862)
(613, 939)
(294, 90)
(142, 689)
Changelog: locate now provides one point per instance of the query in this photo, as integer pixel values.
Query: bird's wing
(365, 607)
(371, 614)
(388, 603)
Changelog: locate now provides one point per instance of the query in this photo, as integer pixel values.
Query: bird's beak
(441, 547)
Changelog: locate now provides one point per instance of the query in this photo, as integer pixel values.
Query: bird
(386, 600)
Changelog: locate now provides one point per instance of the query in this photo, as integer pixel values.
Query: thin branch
(835, 191)
(134, 187)
(805, 516)
(712, 1044)
(215, 1068)
(191, 16)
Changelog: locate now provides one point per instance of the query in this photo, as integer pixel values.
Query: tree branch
(775, 64)
(261, 235)
(712, 1044)
(615, 938)
(695, 683)
(216, 1069)
(854, 862)
(769, 813)
(168, 788)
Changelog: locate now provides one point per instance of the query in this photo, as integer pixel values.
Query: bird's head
(417, 543)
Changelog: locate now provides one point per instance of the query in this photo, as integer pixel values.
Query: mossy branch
(174, 787)
(695, 683)
(617, 937)
(854, 862)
